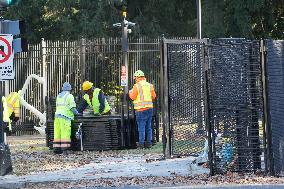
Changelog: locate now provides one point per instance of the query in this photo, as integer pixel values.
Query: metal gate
(235, 104)
(213, 85)
(183, 85)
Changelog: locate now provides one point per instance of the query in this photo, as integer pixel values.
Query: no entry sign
(6, 57)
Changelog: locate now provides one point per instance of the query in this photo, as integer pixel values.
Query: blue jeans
(144, 122)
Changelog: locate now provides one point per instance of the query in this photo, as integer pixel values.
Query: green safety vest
(64, 105)
(95, 102)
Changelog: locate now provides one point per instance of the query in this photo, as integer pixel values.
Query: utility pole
(198, 7)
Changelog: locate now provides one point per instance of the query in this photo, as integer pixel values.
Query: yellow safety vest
(64, 105)
(13, 103)
(95, 102)
(144, 97)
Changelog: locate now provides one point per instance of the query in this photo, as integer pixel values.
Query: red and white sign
(123, 77)
(6, 57)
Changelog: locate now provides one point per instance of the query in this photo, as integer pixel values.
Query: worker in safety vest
(143, 94)
(11, 108)
(64, 114)
(94, 98)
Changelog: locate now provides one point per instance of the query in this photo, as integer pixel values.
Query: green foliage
(73, 19)
(243, 18)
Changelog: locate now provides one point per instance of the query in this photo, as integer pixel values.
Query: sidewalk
(128, 166)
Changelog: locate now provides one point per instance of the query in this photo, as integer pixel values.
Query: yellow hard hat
(87, 85)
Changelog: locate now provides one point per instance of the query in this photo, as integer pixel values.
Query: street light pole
(124, 73)
(198, 6)
(124, 44)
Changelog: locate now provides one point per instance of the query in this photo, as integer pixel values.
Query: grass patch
(155, 149)
(192, 146)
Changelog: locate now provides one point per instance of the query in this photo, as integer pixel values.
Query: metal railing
(97, 60)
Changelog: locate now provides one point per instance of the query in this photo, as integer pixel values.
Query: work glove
(15, 119)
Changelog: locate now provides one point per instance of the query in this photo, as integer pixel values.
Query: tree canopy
(72, 19)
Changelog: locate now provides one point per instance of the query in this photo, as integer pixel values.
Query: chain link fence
(235, 104)
(186, 98)
(232, 105)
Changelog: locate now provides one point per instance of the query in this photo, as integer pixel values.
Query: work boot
(148, 145)
(139, 146)
(57, 151)
(65, 153)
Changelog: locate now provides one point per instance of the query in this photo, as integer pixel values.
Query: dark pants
(144, 122)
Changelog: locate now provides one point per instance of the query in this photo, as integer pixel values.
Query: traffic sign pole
(5, 154)
(1, 121)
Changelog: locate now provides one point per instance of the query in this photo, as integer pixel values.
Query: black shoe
(148, 145)
(57, 151)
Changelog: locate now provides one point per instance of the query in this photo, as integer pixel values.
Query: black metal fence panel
(275, 73)
(27, 63)
(97, 60)
(234, 104)
(186, 99)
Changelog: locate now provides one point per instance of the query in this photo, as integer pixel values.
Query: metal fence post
(198, 7)
(6, 88)
(44, 70)
(266, 109)
(165, 102)
(44, 75)
(207, 112)
(83, 59)
(162, 95)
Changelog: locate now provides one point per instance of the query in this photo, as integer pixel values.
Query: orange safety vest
(144, 98)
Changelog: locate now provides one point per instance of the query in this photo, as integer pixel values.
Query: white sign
(6, 57)
(123, 81)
